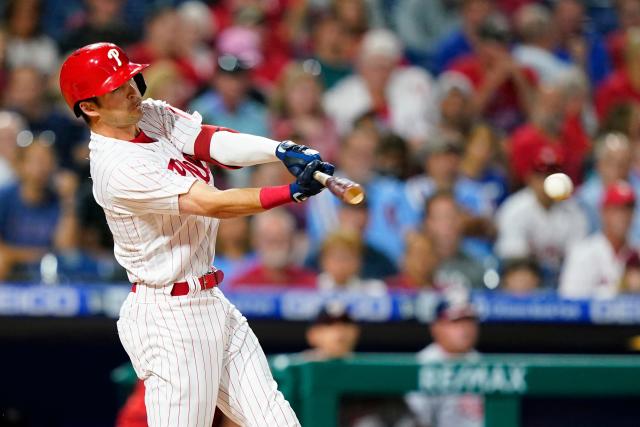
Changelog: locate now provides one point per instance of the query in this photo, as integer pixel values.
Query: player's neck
(124, 133)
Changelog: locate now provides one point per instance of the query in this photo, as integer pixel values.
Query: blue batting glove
(305, 185)
(296, 157)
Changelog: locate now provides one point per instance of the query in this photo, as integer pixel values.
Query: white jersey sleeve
(140, 186)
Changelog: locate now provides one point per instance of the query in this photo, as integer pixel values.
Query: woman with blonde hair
(297, 110)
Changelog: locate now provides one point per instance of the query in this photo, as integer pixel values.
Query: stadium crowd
(449, 112)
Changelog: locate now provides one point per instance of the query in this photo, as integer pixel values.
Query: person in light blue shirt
(228, 103)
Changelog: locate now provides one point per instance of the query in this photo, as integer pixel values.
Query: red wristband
(270, 197)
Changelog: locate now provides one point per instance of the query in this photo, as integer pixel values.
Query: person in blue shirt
(34, 218)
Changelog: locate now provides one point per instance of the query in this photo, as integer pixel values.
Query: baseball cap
(333, 312)
(241, 43)
(547, 160)
(495, 28)
(448, 309)
(381, 42)
(232, 64)
(619, 193)
(440, 144)
(453, 80)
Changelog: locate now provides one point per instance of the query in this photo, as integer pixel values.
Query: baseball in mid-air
(558, 186)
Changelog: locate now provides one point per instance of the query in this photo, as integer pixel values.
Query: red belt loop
(208, 281)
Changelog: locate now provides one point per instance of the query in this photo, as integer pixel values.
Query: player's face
(456, 336)
(122, 106)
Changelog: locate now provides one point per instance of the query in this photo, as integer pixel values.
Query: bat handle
(321, 177)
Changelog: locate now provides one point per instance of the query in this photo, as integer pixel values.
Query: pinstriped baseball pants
(196, 352)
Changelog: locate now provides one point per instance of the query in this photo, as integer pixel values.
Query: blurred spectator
(11, 125)
(388, 215)
(393, 158)
(352, 15)
(481, 164)
(442, 173)
(630, 283)
(503, 88)
(26, 45)
(419, 264)
(341, 259)
(578, 43)
(272, 237)
(298, 114)
(164, 81)
(594, 266)
(443, 224)
(531, 224)
(455, 93)
(102, 21)
(460, 42)
(194, 39)
(331, 46)
(613, 156)
(420, 31)
(333, 334)
(520, 276)
(623, 85)
(228, 103)
(234, 254)
(455, 334)
(35, 218)
(26, 94)
(534, 24)
(401, 97)
(628, 14)
(354, 219)
(553, 124)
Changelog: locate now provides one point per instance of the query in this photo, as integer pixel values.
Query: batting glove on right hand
(305, 185)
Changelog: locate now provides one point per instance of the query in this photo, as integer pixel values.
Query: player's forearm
(231, 148)
(206, 201)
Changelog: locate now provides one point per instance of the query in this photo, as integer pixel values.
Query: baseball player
(190, 345)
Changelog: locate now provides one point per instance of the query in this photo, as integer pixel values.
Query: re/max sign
(475, 378)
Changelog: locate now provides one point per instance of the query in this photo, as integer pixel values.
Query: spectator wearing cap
(613, 158)
(520, 276)
(400, 97)
(594, 266)
(503, 89)
(534, 25)
(333, 334)
(455, 333)
(34, 217)
(461, 40)
(341, 259)
(441, 172)
(577, 42)
(531, 224)
(455, 116)
(553, 124)
(272, 236)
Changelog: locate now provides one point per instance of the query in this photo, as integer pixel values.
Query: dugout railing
(315, 388)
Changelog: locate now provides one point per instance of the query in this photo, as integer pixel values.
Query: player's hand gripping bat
(343, 188)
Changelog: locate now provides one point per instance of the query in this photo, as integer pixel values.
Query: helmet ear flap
(142, 85)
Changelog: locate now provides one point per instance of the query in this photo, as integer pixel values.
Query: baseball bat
(343, 188)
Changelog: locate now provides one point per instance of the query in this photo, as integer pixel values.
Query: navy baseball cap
(448, 310)
(331, 313)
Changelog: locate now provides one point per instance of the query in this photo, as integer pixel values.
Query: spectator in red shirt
(272, 236)
(553, 124)
(628, 12)
(504, 90)
(624, 84)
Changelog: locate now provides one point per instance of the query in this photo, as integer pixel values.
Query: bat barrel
(345, 189)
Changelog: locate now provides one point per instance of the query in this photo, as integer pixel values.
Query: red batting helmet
(97, 69)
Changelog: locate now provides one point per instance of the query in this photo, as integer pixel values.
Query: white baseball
(558, 186)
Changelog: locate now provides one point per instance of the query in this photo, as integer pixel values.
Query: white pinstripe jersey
(138, 184)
